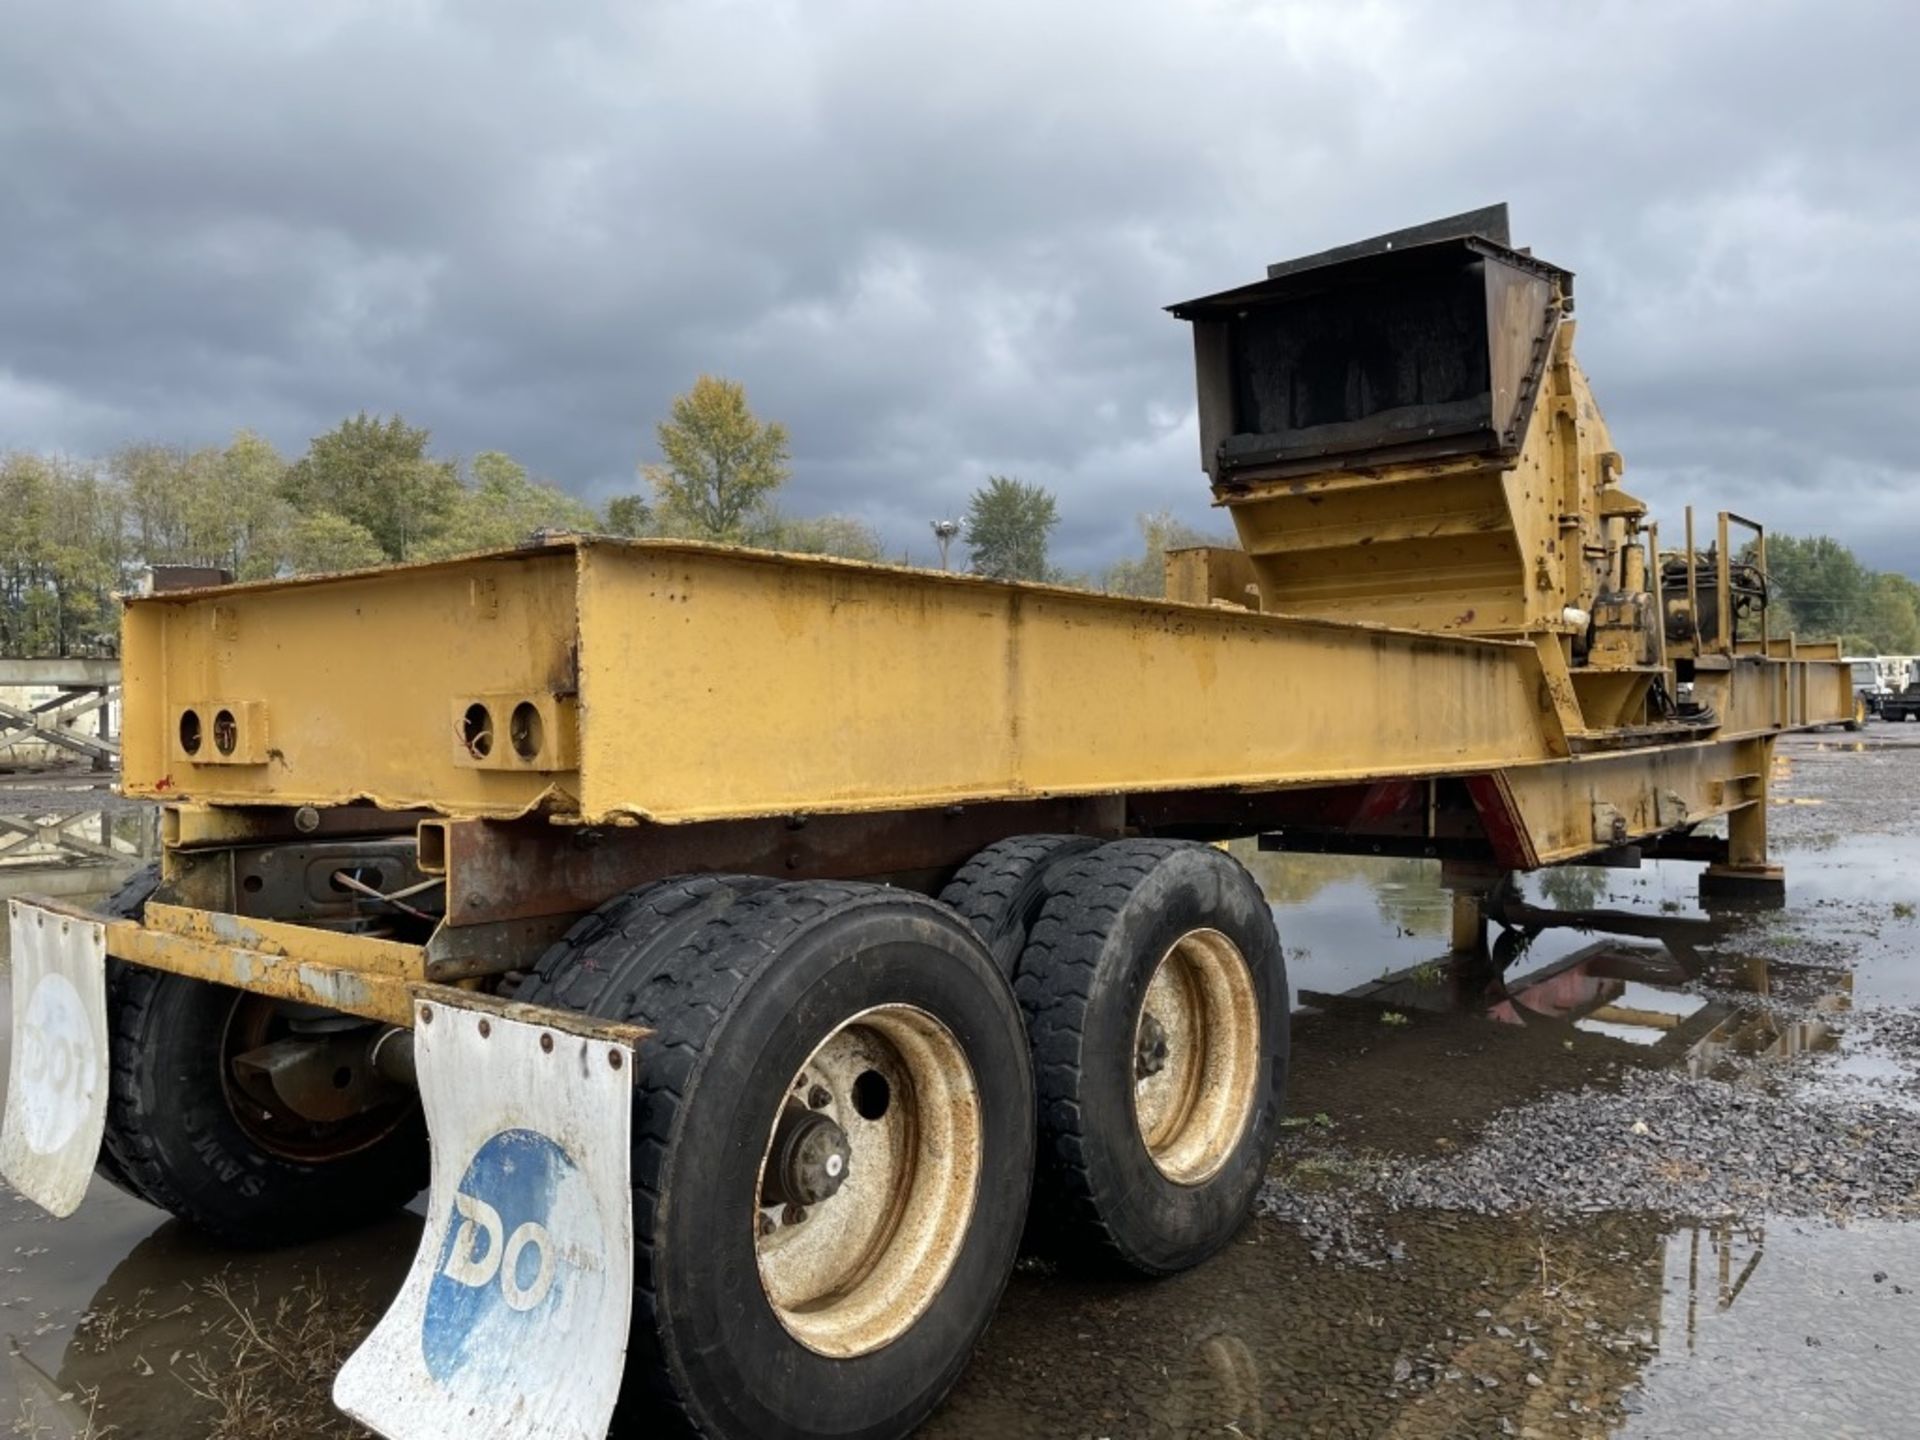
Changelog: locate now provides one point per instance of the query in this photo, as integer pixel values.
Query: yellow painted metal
(1211, 574)
(1570, 808)
(719, 682)
(353, 678)
(351, 973)
(708, 682)
(1477, 546)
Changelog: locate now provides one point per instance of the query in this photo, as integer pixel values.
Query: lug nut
(794, 1214)
(1150, 1055)
(819, 1097)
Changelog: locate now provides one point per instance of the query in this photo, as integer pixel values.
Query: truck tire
(185, 1138)
(626, 938)
(174, 1137)
(1156, 1000)
(1001, 891)
(129, 902)
(799, 1023)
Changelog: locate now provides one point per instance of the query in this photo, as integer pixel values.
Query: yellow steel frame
(1594, 802)
(375, 979)
(356, 974)
(354, 678)
(681, 683)
(703, 682)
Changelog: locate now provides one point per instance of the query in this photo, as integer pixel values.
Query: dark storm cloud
(934, 240)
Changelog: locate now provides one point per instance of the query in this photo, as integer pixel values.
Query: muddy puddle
(1622, 1188)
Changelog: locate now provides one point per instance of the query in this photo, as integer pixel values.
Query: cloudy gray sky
(934, 238)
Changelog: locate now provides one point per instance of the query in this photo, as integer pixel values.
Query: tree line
(1819, 590)
(76, 531)
(73, 532)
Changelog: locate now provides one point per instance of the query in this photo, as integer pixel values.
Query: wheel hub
(1150, 1051)
(302, 1084)
(809, 1162)
(868, 1181)
(1196, 1053)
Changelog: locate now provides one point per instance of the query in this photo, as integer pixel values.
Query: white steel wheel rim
(856, 1272)
(1196, 1057)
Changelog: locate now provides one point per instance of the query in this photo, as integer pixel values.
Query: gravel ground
(1662, 1143)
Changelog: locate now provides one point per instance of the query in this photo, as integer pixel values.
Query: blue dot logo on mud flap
(523, 1253)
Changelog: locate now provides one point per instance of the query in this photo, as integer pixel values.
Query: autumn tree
(376, 473)
(501, 505)
(1007, 527)
(719, 465)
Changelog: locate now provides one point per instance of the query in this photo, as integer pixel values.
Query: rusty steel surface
(328, 1077)
(355, 974)
(501, 871)
(314, 882)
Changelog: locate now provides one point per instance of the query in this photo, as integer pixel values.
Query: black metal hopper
(1424, 343)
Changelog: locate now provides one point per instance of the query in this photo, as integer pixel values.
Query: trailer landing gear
(1746, 877)
(1757, 886)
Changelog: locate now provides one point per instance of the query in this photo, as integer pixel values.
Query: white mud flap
(57, 1081)
(513, 1320)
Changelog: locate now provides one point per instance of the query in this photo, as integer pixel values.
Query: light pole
(944, 531)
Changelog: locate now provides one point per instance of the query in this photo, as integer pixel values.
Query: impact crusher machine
(747, 948)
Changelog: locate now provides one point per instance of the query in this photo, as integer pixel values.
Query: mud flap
(57, 1079)
(513, 1320)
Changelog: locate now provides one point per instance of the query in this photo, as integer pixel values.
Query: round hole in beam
(526, 730)
(476, 731)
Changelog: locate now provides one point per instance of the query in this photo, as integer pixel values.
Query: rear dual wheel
(1155, 993)
(1001, 891)
(195, 1133)
(832, 1153)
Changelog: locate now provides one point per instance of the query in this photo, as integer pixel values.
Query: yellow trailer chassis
(705, 708)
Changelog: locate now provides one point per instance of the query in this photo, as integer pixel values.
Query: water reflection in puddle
(1788, 1330)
